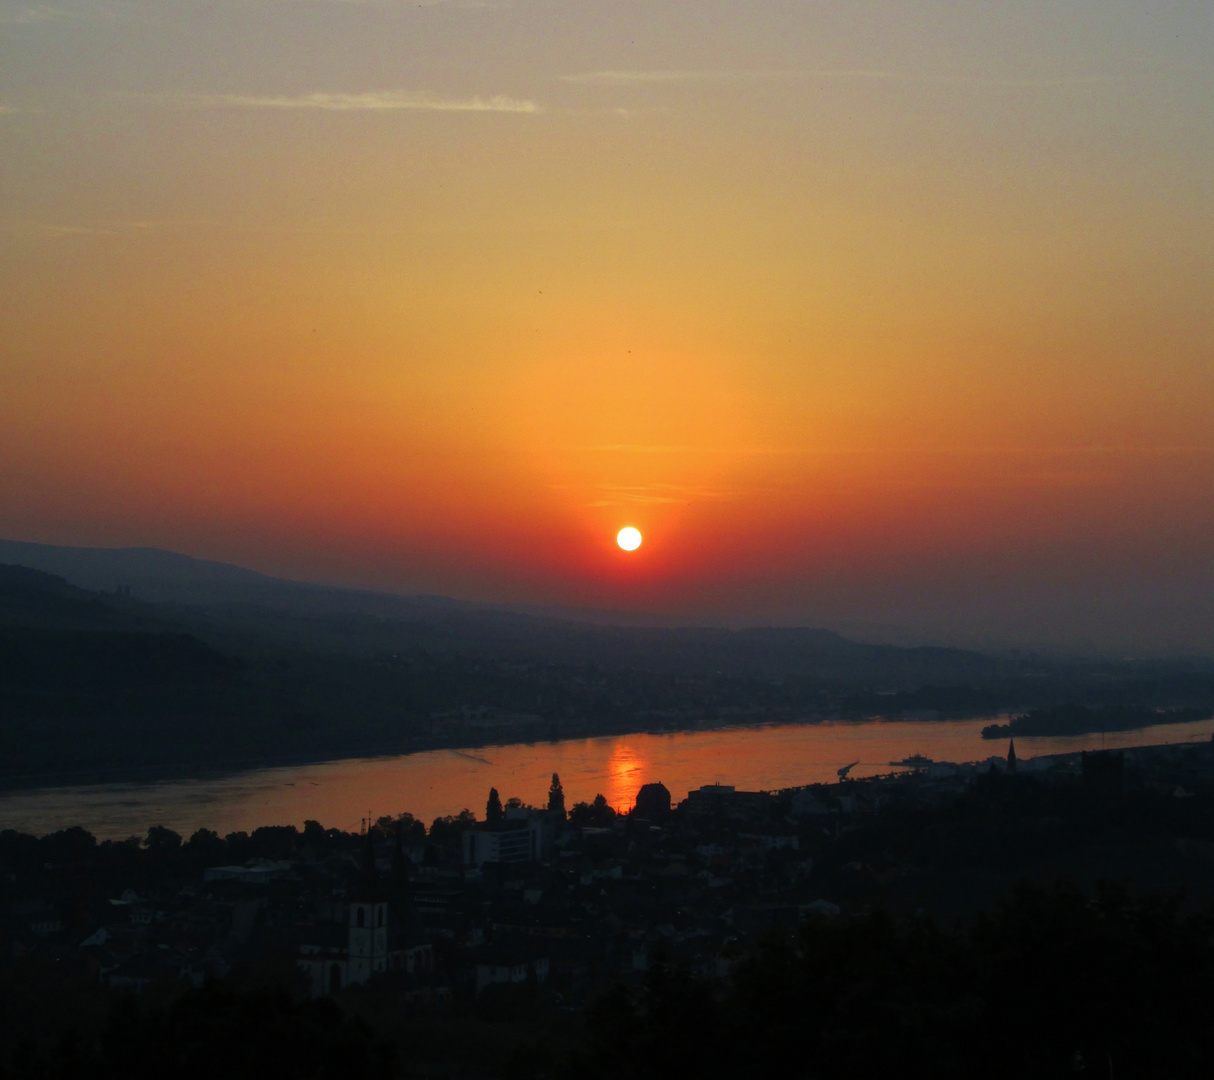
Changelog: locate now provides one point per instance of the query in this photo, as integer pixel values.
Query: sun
(628, 538)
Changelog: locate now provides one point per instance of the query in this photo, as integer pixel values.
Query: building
(261, 872)
(504, 963)
(369, 946)
(652, 802)
(520, 838)
(353, 957)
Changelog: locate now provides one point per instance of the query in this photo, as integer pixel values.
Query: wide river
(341, 793)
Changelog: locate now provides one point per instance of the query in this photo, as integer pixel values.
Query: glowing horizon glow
(891, 318)
(628, 538)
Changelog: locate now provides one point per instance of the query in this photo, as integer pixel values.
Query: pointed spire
(1011, 755)
(400, 870)
(368, 876)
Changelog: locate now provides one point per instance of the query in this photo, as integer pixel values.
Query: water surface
(341, 793)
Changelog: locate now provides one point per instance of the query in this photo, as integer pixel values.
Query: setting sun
(628, 538)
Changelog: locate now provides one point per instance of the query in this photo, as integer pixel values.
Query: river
(436, 782)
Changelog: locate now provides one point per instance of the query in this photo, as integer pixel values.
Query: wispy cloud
(658, 77)
(1180, 450)
(31, 14)
(60, 231)
(624, 77)
(464, 5)
(640, 78)
(374, 101)
(653, 495)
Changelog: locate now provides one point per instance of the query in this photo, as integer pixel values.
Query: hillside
(108, 683)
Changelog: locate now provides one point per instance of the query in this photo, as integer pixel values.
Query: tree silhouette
(493, 809)
(1050, 984)
(162, 841)
(597, 814)
(556, 796)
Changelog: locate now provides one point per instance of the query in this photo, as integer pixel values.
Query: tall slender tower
(1011, 755)
(368, 941)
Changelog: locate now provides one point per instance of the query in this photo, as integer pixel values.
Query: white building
(364, 952)
(518, 839)
(510, 969)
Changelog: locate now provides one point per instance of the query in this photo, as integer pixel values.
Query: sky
(889, 317)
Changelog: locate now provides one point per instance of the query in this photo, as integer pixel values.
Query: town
(544, 907)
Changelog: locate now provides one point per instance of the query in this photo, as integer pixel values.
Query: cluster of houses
(531, 899)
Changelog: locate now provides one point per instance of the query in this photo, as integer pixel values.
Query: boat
(915, 760)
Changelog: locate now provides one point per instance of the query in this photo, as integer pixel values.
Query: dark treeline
(1070, 719)
(1050, 983)
(215, 1032)
(25, 853)
(162, 847)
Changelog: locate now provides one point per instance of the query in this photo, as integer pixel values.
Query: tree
(67, 845)
(402, 825)
(162, 841)
(556, 796)
(217, 1031)
(596, 815)
(1107, 985)
(447, 830)
(493, 809)
(205, 843)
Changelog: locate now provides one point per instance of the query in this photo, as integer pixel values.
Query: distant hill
(113, 661)
(232, 599)
(166, 576)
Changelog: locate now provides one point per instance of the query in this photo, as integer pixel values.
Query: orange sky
(897, 318)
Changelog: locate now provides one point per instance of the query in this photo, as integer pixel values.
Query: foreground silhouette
(215, 1032)
(1049, 984)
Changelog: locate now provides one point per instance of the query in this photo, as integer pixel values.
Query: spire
(368, 877)
(400, 869)
(1011, 755)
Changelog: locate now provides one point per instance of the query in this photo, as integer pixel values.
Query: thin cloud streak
(654, 495)
(29, 16)
(826, 451)
(654, 78)
(637, 78)
(377, 101)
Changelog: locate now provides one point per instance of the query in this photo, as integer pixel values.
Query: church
(369, 944)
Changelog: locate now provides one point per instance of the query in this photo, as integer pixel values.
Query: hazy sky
(884, 314)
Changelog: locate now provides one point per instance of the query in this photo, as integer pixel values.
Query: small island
(1085, 720)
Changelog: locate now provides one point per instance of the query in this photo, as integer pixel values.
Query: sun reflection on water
(432, 783)
(627, 770)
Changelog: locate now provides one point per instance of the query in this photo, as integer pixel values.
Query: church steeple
(1011, 755)
(368, 876)
(400, 868)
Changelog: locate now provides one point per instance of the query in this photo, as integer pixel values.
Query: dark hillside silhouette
(100, 685)
(1048, 984)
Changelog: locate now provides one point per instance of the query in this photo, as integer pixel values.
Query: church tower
(368, 930)
(1011, 755)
